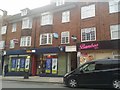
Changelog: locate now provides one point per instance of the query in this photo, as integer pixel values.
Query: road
(25, 85)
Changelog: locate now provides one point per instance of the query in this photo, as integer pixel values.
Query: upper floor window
(25, 41)
(60, 2)
(3, 29)
(46, 39)
(46, 18)
(2, 44)
(66, 16)
(65, 37)
(115, 31)
(14, 27)
(26, 23)
(114, 6)
(88, 11)
(12, 44)
(24, 12)
(88, 34)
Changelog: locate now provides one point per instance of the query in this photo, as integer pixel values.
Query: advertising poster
(48, 66)
(27, 61)
(13, 64)
(54, 66)
(86, 57)
(18, 64)
(22, 64)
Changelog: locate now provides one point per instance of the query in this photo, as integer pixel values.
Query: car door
(87, 74)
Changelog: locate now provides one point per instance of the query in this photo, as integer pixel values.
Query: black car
(105, 72)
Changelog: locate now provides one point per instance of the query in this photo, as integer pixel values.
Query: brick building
(55, 39)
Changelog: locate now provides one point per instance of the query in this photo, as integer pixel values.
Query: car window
(88, 67)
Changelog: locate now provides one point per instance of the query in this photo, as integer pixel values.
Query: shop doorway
(73, 61)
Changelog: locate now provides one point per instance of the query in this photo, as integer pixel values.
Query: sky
(14, 6)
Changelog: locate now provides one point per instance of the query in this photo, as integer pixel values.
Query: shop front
(17, 62)
(98, 50)
(51, 62)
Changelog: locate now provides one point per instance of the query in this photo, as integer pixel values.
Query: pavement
(38, 79)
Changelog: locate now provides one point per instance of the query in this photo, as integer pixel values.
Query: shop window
(88, 34)
(88, 11)
(48, 64)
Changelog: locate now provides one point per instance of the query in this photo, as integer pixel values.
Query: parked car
(105, 72)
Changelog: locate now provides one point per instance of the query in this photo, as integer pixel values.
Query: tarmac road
(16, 85)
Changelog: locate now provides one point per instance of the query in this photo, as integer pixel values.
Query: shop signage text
(90, 46)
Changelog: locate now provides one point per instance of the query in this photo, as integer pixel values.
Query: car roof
(105, 60)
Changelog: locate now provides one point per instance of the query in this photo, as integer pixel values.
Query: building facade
(55, 39)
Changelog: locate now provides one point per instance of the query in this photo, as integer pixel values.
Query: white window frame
(24, 12)
(25, 41)
(46, 18)
(49, 37)
(26, 23)
(88, 30)
(114, 6)
(60, 2)
(12, 44)
(3, 29)
(115, 28)
(65, 16)
(2, 44)
(14, 27)
(88, 11)
(64, 36)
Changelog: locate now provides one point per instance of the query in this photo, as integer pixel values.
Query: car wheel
(116, 84)
(72, 83)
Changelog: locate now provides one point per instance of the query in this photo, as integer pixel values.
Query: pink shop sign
(90, 46)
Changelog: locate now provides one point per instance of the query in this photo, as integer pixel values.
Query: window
(88, 67)
(115, 31)
(24, 12)
(14, 27)
(46, 18)
(65, 37)
(88, 11)
(60, 2)
(12, 44)
(66, 16)
(2, 44)
(25, 41)
(45, 39)
(26, 23)
(114, 6)
(88, 34)
(3, 29)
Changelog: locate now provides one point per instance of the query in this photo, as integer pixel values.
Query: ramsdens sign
(90, 46)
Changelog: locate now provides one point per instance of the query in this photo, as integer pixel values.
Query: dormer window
(60, 2)
(24, 12)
